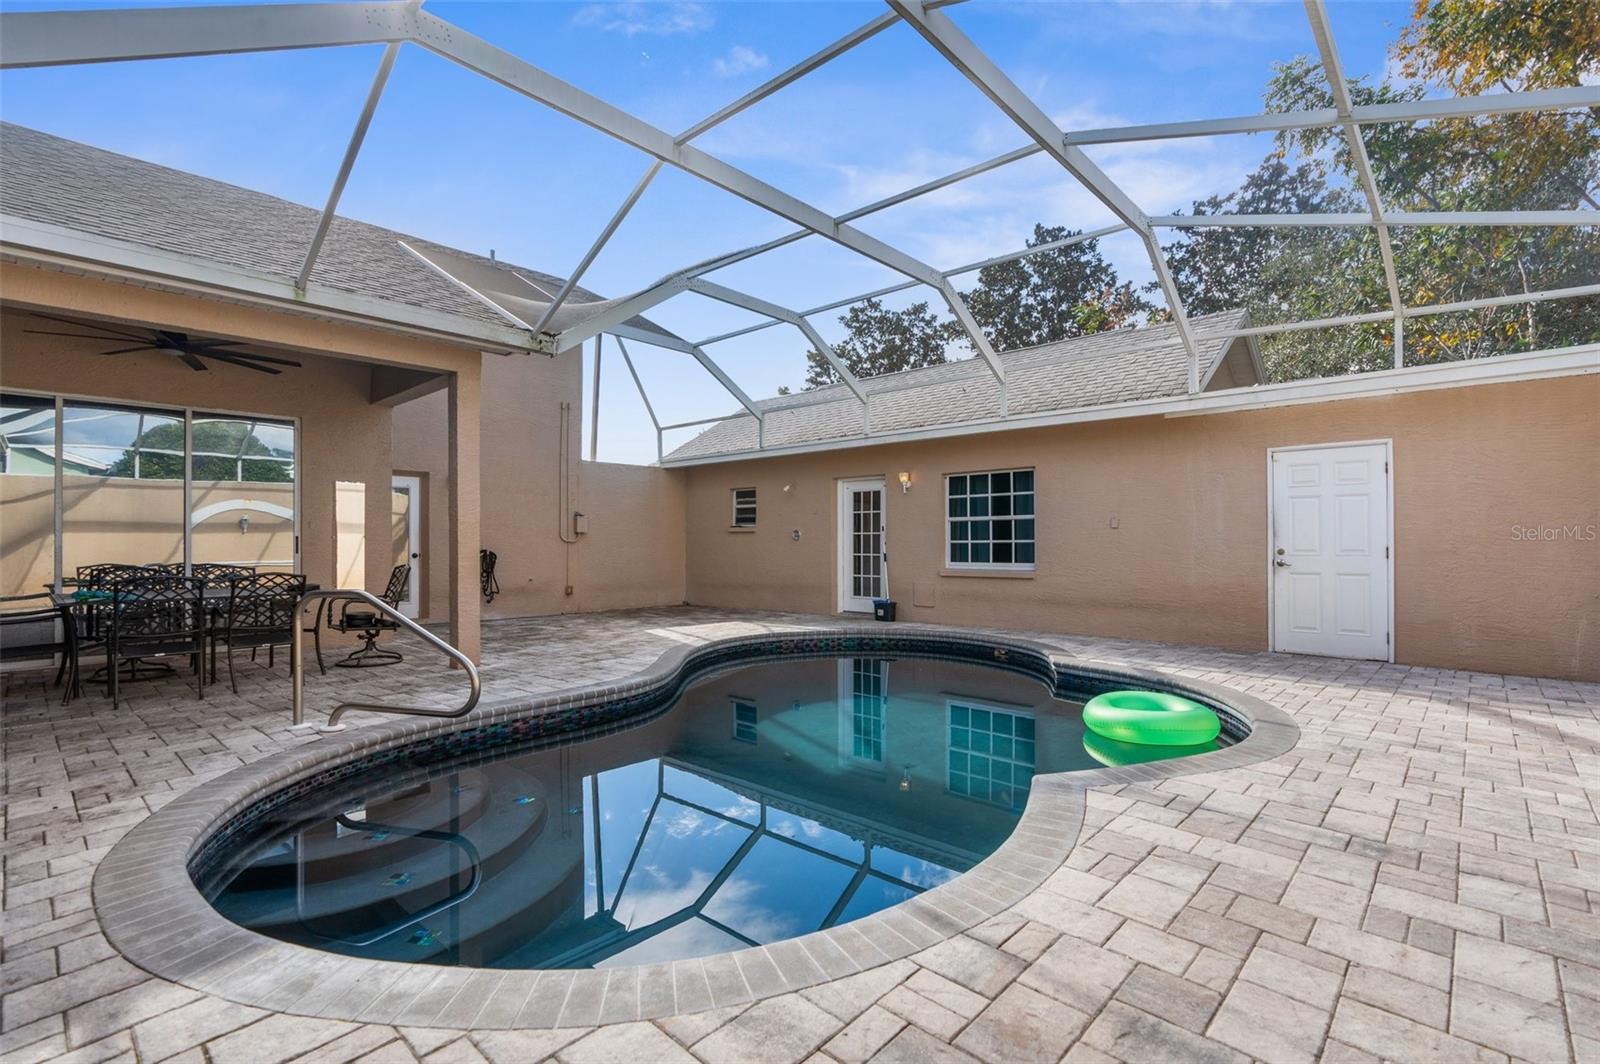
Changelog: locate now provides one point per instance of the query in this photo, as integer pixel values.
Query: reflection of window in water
(991, 755)
(869, 691)
(744, 721)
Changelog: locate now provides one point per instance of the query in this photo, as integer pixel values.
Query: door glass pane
(400, 504)
(27, 494)
(122, 486)
(243, 493)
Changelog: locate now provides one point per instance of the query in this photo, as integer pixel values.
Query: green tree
(1054, 295)
(884, 341)
(222, 438)
(1499, 162)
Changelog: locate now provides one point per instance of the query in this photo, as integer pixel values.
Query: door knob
(1280, 563)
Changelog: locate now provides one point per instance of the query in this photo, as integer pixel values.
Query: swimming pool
(759, 803)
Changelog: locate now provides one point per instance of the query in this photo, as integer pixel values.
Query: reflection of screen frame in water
(891, 857)
(745, 720)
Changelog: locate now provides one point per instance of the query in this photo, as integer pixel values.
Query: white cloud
(740, 59)
(635, 17)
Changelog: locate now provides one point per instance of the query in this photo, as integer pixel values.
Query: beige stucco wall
(1187, 560)
(344, 436)
(632, 555)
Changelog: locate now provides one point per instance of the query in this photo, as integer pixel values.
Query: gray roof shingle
(1118, 366)
(50, 179)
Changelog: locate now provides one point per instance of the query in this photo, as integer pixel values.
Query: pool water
(769, 801)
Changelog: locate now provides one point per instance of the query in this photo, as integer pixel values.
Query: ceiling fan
(168, 342)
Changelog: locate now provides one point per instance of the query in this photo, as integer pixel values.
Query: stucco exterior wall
(632, 555)
(344, 436)
(1187, 560)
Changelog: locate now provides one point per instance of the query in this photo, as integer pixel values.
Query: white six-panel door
(1330, 547)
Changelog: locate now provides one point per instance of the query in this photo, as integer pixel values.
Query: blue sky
(455, 159)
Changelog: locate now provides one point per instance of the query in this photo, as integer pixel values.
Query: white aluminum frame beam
(1368, 114)
(644, 396)
(496, 64)
(594, 402)
(1372, 317)
(1392, 219)
(1320, 29)
(749, 99)
(353, 149)
(699, 355)
(994, 260)
(939, 31)
(109, 35)
(734, 298)
(599, 242)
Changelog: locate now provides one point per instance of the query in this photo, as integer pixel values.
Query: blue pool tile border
(150, 907)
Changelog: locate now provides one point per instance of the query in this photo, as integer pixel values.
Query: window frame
(187, 415)
(1016, 713)
(992, 566)
(746, 731)
(735, 506)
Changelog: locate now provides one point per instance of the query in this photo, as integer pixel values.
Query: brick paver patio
(1417, 880)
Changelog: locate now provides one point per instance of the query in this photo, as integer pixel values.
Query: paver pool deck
(1418, 879)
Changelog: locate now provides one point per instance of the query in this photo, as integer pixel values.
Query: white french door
(863, 561)
(406, 507)
(1331, 541)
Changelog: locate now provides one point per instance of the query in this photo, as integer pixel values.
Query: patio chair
(91, 610)
(152, 616)
(366, 623)
(216, 574)
(260, 613)
(34, 630)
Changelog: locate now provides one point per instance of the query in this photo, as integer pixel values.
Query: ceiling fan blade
(232, 361)
(82, 336)
(274, 360)
(116, 333)
(125, 350)
(192, 362)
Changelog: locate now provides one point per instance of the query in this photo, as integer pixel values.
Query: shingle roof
(1119, 366)
(44, 178)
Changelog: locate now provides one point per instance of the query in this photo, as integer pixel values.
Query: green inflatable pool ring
(1151, 718)
(1112, 754)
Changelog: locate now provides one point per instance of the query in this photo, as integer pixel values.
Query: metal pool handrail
(297, 661)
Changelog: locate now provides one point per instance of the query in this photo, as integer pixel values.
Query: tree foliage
(223, 439)
(1054, 295)
(884, 341)
(1548, 160)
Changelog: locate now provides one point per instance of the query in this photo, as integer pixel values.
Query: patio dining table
(215, 598)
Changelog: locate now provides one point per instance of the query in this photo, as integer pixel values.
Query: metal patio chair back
(366, 623)
(34, 632)
(153, 616)
(261, 613)
(217, 574)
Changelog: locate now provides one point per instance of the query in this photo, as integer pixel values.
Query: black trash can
(883, 609)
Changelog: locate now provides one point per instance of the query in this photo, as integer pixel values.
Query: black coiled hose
(486, 577)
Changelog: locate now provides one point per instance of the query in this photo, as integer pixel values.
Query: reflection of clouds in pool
(684, 823)
(737, 906)
(658, 893)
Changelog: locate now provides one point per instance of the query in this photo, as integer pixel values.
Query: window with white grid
(991, 753)
(989, 519)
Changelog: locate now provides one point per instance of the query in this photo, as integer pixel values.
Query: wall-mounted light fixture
(905, 779)
(244, 524)
(905, 483)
